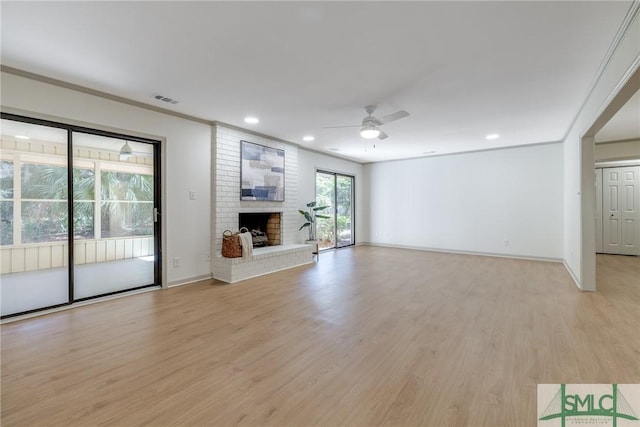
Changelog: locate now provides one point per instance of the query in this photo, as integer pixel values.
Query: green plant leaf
(319, 208)
(306, 224)
(323, 216)
(311, 204)
(306, 215)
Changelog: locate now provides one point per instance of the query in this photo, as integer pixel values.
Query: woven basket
(231, 247)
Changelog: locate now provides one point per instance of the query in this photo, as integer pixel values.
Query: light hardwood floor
(367, 336)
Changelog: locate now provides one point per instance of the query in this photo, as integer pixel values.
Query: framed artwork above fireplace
(261, 172)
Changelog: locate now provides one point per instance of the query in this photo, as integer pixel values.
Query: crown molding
(630, 17)
(101, 94)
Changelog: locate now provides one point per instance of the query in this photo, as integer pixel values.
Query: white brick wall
(226, 198)
(227, 203)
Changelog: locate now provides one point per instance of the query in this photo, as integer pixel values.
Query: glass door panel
(336, 191)
(34, 234)
(344, 211)
(325, 196)
(114, 227)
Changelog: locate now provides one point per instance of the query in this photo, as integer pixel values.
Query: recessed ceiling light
(251, 120)
(492, 136)
(334, 149)
(308, 138)
(22, 137)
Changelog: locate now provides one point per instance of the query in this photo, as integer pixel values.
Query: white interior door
(621, 210)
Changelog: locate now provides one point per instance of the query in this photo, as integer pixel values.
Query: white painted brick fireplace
(227, 204)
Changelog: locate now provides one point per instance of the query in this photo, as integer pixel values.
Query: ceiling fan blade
(336, 127)
(382, 135)
(393, 117)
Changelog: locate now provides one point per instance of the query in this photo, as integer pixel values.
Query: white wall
(579, 198)
(308, 163)
(186, 160)
(471, 202)
(618, 150)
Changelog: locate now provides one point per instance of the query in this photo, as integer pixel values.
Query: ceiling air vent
(165, 99)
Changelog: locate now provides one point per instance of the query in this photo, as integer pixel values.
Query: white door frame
(599, 215)
(629, 86)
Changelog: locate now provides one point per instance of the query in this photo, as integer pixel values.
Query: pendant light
(126, 151)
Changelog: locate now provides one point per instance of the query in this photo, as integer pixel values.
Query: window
(126, 204)
(124, 201)
(43, 203)
(6, 202)
(84, 203)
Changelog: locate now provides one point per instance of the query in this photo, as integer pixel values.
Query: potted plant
(310, 216)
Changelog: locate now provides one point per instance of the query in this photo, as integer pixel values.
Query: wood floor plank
(367, 336)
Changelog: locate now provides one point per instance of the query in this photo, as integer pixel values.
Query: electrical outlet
(176, 262)
(505, 242)
(192, 194)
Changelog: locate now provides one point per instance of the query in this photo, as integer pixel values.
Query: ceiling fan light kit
(369, 132)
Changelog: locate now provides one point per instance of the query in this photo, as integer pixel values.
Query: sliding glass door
(113, 216)
(336, 191)
(78, 214)
(33, 215)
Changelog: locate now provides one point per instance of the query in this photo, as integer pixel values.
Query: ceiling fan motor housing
(370, 121)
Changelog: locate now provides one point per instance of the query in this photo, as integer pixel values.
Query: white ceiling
(625, 125)
(462, 69)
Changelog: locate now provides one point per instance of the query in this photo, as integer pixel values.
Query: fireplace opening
(265, 227)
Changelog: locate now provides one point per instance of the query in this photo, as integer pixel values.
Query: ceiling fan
(370, 126)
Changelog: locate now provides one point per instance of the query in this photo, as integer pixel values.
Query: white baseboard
(453, 251)
(189, 280)
(573, 276)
